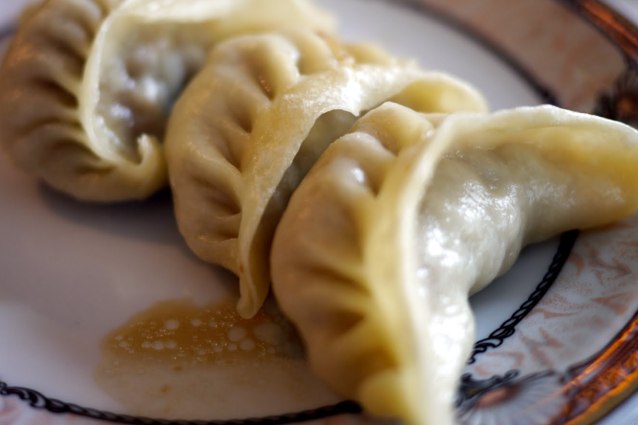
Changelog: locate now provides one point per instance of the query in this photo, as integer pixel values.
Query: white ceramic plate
(75, 275)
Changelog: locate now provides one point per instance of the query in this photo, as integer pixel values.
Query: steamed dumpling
(87, 84)
(405, 216)
(40, 81)
(253, 121)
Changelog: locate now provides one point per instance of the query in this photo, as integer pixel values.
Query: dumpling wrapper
(252, 122)
(87, 84)
(403, 218)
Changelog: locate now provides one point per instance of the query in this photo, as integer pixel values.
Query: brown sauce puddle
(181, 360)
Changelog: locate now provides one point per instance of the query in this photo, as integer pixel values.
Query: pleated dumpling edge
(87, 85)
(251, 124)
(405, 216)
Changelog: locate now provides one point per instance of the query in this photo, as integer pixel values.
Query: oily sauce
(179, 359)
(181, 333)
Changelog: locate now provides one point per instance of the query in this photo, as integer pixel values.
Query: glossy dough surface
(251, 124)
(405, 216)
(374, 223)
(87, 84)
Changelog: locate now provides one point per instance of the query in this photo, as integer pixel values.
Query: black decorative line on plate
(483, 401)
(508, 327)
(39, 401)
(471, 389)
(587, 389)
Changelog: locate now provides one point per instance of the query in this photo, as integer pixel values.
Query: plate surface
(80, 282)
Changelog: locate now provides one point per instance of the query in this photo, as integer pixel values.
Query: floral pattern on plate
(569, 356)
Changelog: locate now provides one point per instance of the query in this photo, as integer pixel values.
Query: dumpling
(40, 80)
(87, 84)
(253, 121)
(402, 218)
